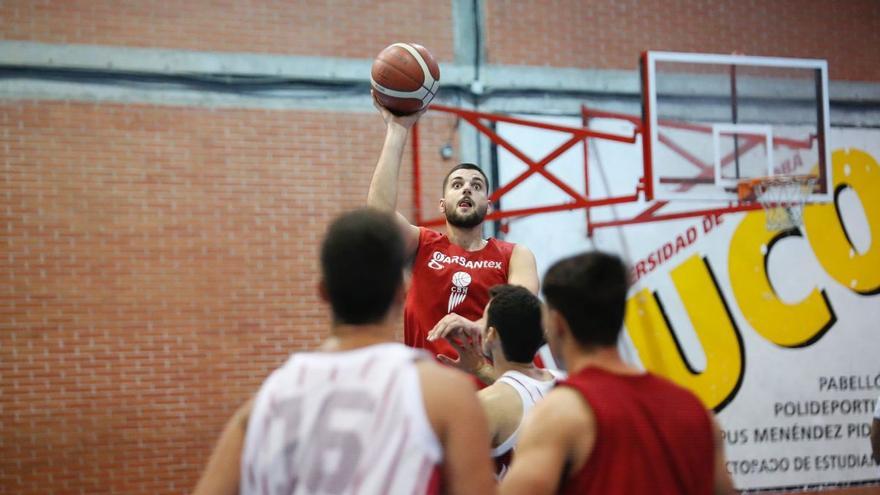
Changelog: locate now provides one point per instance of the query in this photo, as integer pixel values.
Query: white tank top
(340, 423)
(530, 392)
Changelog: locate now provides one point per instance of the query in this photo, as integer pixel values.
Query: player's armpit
(503, 410)
(222, 474)
(523, 269)
(410, 233)
(460, 424)
(560, 429)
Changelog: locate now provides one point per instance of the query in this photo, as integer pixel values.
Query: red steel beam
(679, 215)
(592, 113)
(471, 115)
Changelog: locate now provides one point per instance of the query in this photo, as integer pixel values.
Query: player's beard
(468, 220)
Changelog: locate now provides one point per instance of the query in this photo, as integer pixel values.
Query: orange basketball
(405, 77)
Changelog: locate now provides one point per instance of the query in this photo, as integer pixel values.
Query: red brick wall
(157, 263)
(607, 34)
(610, 34)
(335, 28)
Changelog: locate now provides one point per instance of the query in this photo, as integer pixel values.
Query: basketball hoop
(782, 197)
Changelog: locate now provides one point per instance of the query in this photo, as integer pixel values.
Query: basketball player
(511, 336)
(609, 427)
(451, 273)
(364, 414)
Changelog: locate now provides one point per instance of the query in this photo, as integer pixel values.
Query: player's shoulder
(564, 407)
(520, 250)
(505, 245)
(673, 391)
(447, 393)
(498, 392)
(427, 235)
(443, 378)
(563, 418)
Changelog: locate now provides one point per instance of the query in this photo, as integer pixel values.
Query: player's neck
(502, 365)
(470, 239)
(348, 337)
(606, 358)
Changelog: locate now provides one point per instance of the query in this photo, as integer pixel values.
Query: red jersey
(653, 436)
(449, 279)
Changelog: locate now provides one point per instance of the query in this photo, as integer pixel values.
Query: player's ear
(322, 291)
(491, 207)
(400, 293)
(491, 334)
(557, 326)
(407, 281)
(443, 206)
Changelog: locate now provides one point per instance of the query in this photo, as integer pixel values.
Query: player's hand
(405, 121)
(453, 324)
(470, 354)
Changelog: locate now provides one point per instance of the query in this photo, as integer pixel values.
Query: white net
(783, 199)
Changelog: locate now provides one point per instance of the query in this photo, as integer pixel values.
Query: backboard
(713, 121)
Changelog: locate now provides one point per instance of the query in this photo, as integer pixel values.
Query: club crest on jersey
(460, 283)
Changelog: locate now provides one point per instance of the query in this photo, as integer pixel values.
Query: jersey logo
(439, 260)
(460, 282)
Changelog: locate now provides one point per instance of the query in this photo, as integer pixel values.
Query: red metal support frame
(534, 167)
(643, 218)
(578, 134)
(582, 134)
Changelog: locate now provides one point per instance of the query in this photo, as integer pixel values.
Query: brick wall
(335, 28)
(606, 34)
(157, 263)
(610, 34)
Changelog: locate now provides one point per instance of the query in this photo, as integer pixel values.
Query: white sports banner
(776, 332)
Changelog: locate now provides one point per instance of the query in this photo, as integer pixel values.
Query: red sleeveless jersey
(449, 279)
(653, 436)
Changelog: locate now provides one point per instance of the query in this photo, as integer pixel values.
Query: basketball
(405, 77)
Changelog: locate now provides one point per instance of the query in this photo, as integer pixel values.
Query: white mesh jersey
(342, 423)
(530, 392)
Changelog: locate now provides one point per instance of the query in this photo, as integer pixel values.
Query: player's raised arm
(383, 186)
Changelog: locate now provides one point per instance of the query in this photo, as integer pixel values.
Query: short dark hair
(589, 290)
(516, 315)
(464, 166)
(362, 261)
